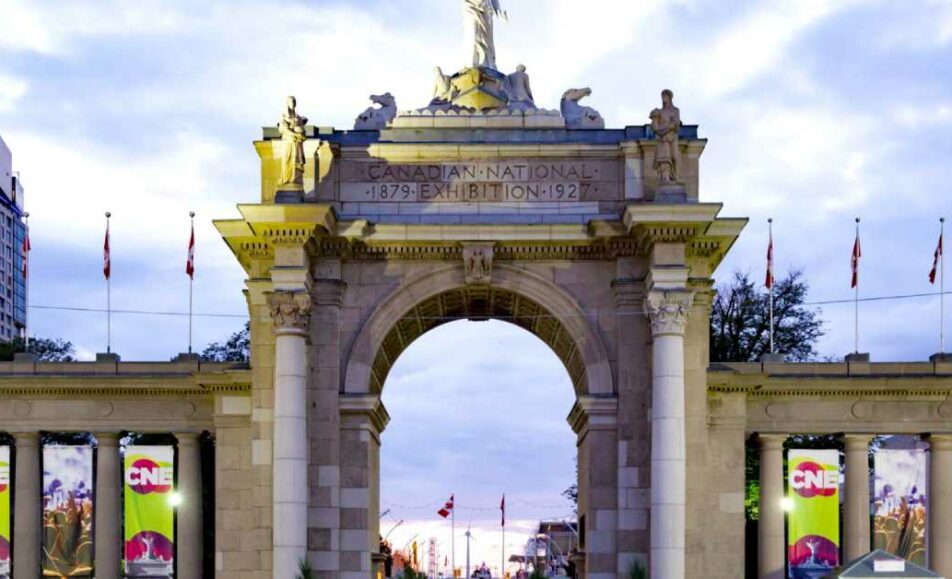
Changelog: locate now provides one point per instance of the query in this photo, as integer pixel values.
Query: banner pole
(191, 280)
(942, 285)
(770, 265)
(109, 291)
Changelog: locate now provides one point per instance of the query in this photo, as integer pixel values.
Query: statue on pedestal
(520, 93)
(481, 14)
(666, 122)
(291, 128)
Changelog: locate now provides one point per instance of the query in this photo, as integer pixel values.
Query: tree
(46, 350)
(236, 349)
(740, 320)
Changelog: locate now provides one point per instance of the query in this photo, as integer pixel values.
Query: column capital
(26, 438)
(857, 441)
(772, 441)
(668, 311)
(290, 311)
(940, 442)
(187, 438)
(109, 439)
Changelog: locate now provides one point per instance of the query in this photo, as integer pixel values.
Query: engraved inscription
(480, 181)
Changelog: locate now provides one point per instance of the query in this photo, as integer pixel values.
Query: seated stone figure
(376, 118)
(520, 93)
(578, 116)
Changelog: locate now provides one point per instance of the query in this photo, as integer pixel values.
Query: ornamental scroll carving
(668, 311)
(290, 311)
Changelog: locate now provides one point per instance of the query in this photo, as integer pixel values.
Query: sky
(816, 111)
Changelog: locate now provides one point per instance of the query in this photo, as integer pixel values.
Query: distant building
(13, 284)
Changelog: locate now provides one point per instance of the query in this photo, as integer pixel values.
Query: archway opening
(477, 409)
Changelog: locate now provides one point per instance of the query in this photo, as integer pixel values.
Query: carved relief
(290, 310)
(478, 262)
(668, 311)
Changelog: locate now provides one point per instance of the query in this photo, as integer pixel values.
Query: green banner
(813, 538)
(149, 532)
(4, 511)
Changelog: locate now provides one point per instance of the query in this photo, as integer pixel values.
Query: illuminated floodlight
(175, 499)
(786, 503)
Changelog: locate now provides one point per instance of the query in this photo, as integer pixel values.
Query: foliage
(410, 573)
(571, 493)
(236, 349)
(637, 571)
(538, 572)
(740, 320)
(304, 569)
(46, 350)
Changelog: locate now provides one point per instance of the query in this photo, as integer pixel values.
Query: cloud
(11, 90)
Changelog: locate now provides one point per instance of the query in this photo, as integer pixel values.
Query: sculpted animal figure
(377, 117)
(578, 116)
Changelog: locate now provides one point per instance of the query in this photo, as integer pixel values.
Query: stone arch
(515, 295)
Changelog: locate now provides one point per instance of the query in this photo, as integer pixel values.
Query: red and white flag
(190, 262)
(769, 282)
(935, 262)
(447, 508)
(106, 263)
(857, 253)
(26, 255)
(502, 507)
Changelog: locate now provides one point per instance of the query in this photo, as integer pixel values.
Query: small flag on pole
(190, 262)
(26, 255)
(769, 282)
(106, 263)
(857, 253)
(447, 508)
(502, 507)
(935, 261)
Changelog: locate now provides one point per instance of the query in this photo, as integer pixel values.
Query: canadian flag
(190, 262)
(447, 508)
(769, 282)
(26, 255)
(502, 507)
(106, 263)
(857, 253)
(935, 262)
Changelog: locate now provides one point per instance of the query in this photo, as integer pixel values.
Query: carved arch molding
(478, 303)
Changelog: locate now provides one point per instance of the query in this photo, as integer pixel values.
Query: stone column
(856, 533)
(27, 507)
(189, 540)
(668, 311)
(940, 490)
(772, 548)
(290, 311)
(108, 494)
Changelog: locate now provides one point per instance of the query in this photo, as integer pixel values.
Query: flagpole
(191, 281)
(856, 297)
(108, 292)
(770, 265)
(453, 537)
(941, 285)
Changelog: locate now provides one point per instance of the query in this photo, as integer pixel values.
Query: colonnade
(108, 540)
(856, 503)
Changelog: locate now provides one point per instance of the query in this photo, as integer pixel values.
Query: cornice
(66, 385)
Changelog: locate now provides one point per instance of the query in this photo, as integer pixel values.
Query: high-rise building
(13, 282)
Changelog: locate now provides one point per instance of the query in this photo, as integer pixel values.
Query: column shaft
(668, 464)
(27, 507)
(189, 540)
(856, 532)
(941, 508)
(108, 494)
(290, 454)
(772, 550)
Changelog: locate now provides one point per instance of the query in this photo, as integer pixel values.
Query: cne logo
(810, 480)
(146, 476)
(4, 477)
